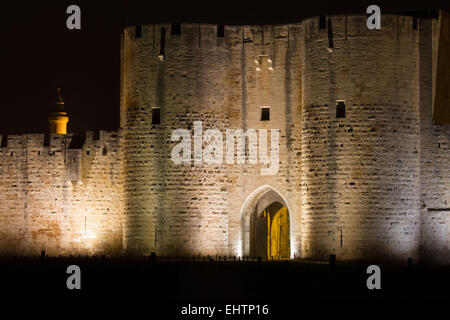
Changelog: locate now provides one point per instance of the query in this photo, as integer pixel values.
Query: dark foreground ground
(282, 285)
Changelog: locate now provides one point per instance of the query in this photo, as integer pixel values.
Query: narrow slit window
(4, 142)
(340, 109)
(265, 114)
(322, 22)
(156, 116)
(47, 140)
(175, 30)
(330, 34)
(138, 31)
(162, 48)
(414, 23)
(221, 31)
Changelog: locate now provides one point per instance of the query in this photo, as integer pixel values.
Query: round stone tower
(360, 138)
(194, 78)
(170, 79)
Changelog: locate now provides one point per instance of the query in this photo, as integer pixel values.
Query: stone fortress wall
(373, 184)
(61, 194)
(210, 78)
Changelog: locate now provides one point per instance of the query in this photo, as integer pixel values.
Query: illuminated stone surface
(58, 199)
(374, 183)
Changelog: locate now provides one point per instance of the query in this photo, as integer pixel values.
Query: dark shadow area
(207, 279)
(40, 54)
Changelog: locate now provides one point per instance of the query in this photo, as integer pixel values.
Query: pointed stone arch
(254, 205)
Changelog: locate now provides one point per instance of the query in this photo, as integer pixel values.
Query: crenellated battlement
(75, 152)
(208, 36)
(397, 27)
(40, 143)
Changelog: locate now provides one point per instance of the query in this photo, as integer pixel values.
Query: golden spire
(59, 99)
(58, 118)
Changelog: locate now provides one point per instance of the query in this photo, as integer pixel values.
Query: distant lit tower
(58, 117)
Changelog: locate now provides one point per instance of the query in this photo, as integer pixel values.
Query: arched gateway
(265, 225)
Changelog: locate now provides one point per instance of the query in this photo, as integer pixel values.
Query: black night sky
(39, 54)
